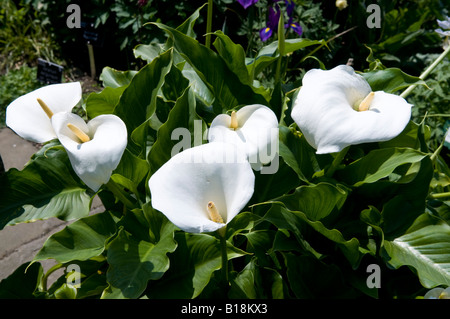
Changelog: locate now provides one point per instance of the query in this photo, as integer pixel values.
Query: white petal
(183, 186)
(324, 112)
(26, 117)
(442, 33)
(444, 24)
(257, 132)
(95, 160)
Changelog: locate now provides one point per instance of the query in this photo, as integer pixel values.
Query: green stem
(337, 161)
(223, 249)
(43, 284)
(439, 195)
(281, 48)
(209, 24)
(120, 194)
(426, 72)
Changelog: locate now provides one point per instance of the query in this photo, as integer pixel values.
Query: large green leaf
(81, 240)
(269, 53)
(390, 80)
(316, 201)
(181, 118)
(133, 262)
(138, 101)
(103, 102)
(295, 221)
(46, 187)
(234, 56)
(426, 249)
(378, 164)
(228, 90)
(192, 265)
(298, 154)
(114, 78)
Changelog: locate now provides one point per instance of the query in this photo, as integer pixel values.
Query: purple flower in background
(272, 24)
(247, 3)
(294, 26)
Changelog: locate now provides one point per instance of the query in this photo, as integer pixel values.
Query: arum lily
(253, 128)
(95, 148)
(199, 191)
(29, 115)
(337, 108)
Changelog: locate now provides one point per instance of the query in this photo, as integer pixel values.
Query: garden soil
(21, 242)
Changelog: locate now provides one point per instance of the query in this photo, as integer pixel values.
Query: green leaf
(66, 292)
(103, 102)
(22, 283)
(426, 249)
(298, 154)
(138, 101)
(247, 283)
(316, 201)
(192, 265)
(114, 79)
(269, 53)
(390, 80)
(179, 125)
(187, 27)
(148, 52)
(233, 54)
(132, 168)
(378, 164)
(46, 187)
(295, 221)
(81, 240)
(133, 262)
(228, 90)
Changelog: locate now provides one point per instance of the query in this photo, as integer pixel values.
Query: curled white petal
(325, 111)
(257, 133)
(26, 117)
(215, 172)
(92, 161)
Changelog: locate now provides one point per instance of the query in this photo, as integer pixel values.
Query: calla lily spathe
(254, 128)
(203, 188)
(95, 151)
(28, 119)
(337, 108)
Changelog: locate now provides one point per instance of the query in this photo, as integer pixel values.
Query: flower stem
(439, 195)
(223, 249)
(209, 24)
(426, 72)
(337, 161)
(43, 284)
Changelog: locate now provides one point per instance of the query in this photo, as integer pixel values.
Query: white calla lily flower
(254, 128)
(337, 108)
(29, 115)
(203, 188)
(94, 148)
